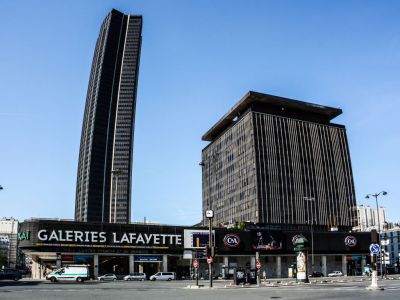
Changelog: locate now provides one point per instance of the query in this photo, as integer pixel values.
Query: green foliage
(241, 225)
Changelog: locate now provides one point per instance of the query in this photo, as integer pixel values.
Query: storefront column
(252, 262)
(96, 265)
(131, 264)
(226, 261)
(225, 266)
(363, 263)
(323, 267)
(35, 267)
(165, 263)
(278, 267)
(344, 265)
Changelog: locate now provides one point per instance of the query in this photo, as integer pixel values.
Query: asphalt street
(339, 289)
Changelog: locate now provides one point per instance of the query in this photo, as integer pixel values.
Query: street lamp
(312, 229)
(209, 216)
(379, 223)
(116, 173)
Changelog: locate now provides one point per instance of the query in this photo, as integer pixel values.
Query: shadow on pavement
(18, 283)
(10, 283)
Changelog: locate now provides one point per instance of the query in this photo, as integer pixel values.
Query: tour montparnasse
(103, 192)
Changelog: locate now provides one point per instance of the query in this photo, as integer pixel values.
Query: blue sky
(198, 59)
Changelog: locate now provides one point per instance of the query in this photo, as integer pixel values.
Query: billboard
(263, 240)
(195, 239)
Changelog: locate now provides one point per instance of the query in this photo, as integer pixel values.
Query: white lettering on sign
(231, 240)
(101, 237)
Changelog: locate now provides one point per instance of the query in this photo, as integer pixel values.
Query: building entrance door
(151, 268)
(118, 265)
(148, 264)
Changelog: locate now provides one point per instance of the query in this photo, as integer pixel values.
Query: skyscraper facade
(279, 161)
(103, 192)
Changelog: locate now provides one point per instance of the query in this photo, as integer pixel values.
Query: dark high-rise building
(279, 162)
(103, 192)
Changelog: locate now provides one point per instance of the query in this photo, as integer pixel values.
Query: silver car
(136, 276)
(335, 274)
(108, 277)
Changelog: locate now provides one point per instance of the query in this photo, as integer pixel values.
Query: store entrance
(150, 268)
(354, 265)
(118, 265)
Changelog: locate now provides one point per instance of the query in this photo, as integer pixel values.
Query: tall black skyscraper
(103, 192)
(279, 162)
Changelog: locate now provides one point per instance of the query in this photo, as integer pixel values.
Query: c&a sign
(231, 240)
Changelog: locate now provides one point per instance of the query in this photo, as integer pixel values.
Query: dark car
(10, 274)
(317, 274)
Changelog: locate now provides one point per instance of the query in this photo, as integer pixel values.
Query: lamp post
(116, 173)
(312, 199)
(379, 223)
(209, 216)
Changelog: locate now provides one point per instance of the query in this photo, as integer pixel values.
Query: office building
(8, 241)
(279, 162)
(367, 218)
(390, 241)
(103, 192)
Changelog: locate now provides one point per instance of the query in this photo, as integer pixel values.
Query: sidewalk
(277, 282)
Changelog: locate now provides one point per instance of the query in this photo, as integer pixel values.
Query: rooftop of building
(115, 11)
(8, 219)
(272, 104)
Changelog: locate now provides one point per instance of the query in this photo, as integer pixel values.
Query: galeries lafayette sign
(132, 238)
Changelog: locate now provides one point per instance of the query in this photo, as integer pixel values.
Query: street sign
(209, 213)
(258, 265)
(195, 264)
(374, 248)
(209, 260)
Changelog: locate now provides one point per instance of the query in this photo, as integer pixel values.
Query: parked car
(10, 274)
(335, 274)
(136, 276)
(317, 274)
(78, 273)
(163, 276)
(107, 277)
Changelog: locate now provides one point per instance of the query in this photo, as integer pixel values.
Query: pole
(210, 239)
(374, 279)
(258, 270)
(312, 245)
(191, 269)
(197, 276)
(115, 198)
(311, 222)
(379, 233)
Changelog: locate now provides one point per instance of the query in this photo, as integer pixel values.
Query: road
(119, 290)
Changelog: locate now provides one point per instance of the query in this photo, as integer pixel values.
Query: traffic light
(205, 252)
(208, 251)
(215, 248)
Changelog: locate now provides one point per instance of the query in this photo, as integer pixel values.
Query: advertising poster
(301, 266)
(266, 241)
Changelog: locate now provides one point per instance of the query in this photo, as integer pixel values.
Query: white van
(78, 273)
(163, 276)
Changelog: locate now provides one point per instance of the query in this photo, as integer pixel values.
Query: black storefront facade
(128, 248)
